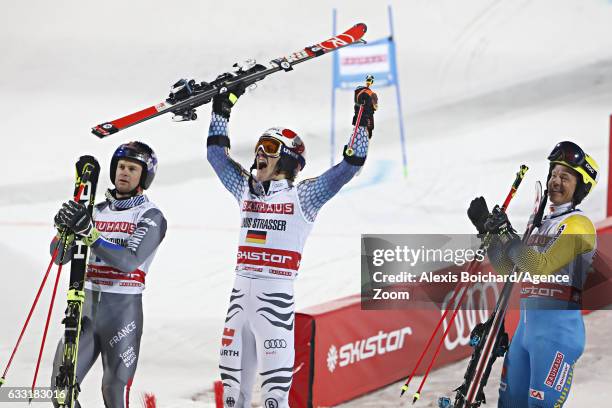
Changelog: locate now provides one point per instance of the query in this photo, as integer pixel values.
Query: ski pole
(42, 344)
(25, 326)
(40, 288)
(458, 289)
(433, 334)
(520, 175)
(82, 182)
(349, 149)
(417, 394)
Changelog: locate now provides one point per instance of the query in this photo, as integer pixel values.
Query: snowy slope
(486, 86)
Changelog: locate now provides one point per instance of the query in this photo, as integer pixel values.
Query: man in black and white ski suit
(123, 236)
(276, 217)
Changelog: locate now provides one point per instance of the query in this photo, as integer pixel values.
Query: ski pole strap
(218, 140)
(350, 157)
(520, 175)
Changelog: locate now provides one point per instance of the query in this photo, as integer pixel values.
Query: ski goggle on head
(570, 154)
(269, 145)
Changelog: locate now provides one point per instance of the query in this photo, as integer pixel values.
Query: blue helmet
(141, 153)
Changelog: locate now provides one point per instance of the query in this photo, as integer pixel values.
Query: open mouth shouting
(262, 161)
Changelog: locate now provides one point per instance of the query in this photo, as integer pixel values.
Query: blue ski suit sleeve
(315, 192)
(233, 176)
(149, 233)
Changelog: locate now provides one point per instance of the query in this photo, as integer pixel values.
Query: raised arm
(233, 176)
(315, 192)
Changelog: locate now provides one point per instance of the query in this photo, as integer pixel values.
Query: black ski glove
(224, 102)
(498, 223)
(369, 100)
(478, 214)
(59, 222)
(75, 217)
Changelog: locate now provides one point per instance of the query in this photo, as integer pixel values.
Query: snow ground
(486, 85)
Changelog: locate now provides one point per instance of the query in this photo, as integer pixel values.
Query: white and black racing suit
(276, 218)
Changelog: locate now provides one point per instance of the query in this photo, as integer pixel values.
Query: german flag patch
(256, 237)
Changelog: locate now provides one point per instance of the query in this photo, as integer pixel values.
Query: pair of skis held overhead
(489, 339)
(185, 97)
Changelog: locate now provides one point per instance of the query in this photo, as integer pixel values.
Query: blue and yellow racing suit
(539, 366)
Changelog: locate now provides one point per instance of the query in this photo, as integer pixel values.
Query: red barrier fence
(343, 352)
(609, 204)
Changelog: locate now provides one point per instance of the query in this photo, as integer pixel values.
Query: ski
(66, 383)
(187, 95)
(490, 339)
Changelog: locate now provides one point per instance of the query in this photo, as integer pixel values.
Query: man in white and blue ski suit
(277, 215)
(123, 235)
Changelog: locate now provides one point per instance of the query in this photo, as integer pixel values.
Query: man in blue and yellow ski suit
(538, 369)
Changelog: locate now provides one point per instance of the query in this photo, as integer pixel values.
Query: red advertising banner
(355, 351)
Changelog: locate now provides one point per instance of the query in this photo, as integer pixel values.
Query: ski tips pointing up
(358, 31)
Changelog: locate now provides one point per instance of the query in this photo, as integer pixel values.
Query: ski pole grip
(520, 175)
